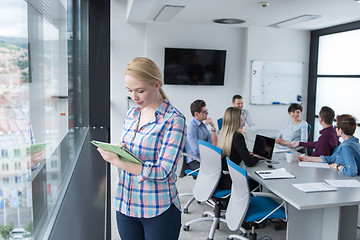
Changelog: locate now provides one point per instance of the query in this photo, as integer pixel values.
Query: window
(44, 107)
(336, 79)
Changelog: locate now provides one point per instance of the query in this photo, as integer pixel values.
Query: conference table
(316, 215)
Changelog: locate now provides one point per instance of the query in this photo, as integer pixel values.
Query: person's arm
(240, 147)
(283, 142)
(114, 159)
(192, 139)
(249, 122)
(172, 145)
(213, 135)
(350, 167)
(307, 145)
(304, 158)
(322, 147)
(304, 131)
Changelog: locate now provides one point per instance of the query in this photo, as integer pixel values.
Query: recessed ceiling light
(294, 20)
(167, 13)
(228, 21)
(358, 1)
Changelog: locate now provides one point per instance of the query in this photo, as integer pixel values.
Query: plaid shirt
(158, 144)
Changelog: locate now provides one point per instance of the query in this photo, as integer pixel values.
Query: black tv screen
(194, 66)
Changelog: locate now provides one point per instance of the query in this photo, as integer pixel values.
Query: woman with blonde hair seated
(232, 143)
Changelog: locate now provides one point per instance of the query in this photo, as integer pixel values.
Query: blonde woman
(146, 201)
(232, 142)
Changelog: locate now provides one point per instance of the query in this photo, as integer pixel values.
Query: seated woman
(346, 157)
(232, 143)
(295, 129)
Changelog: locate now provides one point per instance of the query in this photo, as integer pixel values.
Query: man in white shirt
(238, 102)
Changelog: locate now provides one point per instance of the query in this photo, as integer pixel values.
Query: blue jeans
(166, 226)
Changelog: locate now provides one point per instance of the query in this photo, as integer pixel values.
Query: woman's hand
(110, 157)
(283, 142)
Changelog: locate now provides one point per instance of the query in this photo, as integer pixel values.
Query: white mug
(290, 156)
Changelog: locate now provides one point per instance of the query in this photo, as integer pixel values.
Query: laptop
(264, 146)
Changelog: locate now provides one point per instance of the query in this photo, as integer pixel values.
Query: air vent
(228, 21)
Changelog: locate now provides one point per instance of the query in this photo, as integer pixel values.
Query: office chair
(250, 207)
(206, 186)
(219, 122)
(184, 171)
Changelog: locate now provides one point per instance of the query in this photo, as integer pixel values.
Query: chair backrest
(219, 122)
(181, 166)
(240, 196)
(209, 173)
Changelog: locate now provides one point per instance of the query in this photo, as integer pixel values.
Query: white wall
(129, 40)
(275, 45)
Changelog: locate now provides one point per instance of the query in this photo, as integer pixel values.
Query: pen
(264, 172)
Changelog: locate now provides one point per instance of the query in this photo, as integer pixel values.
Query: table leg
(323, 223)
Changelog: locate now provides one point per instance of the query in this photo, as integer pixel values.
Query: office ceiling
(332, 12)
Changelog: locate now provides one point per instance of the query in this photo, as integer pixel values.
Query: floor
(201, 230)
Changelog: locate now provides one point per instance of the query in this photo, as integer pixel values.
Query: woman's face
(142, 93)
(296, 115)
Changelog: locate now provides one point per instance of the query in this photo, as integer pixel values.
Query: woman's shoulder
(172, 113)
(238, 136)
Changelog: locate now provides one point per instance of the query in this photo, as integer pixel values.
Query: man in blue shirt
(197, 130)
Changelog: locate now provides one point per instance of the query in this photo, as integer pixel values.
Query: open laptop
(264, 146)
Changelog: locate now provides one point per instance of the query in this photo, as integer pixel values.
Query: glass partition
(43, 108)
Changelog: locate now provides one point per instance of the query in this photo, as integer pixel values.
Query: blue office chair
(243, 206)
(206, 186)
(219, 122)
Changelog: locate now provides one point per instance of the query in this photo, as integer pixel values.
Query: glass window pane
(341, 94)
(15, 130)
(339, 53)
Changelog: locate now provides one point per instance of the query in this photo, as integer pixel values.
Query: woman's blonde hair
(231, 124)
(146, 70)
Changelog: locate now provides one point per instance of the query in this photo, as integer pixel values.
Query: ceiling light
(358, 1)
(228, 21)
(294, 20)
(167, 13)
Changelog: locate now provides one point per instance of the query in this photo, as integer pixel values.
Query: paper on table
(279, 149)
(314, 164)
(274, 174)
(122, 152)
(314, 187)
(344, 183)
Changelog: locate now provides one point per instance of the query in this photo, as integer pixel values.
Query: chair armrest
(191, 156)
(189, 173)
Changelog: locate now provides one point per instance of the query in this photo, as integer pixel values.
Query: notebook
(264, 146)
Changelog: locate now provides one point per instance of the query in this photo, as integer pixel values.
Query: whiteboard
(275, 82)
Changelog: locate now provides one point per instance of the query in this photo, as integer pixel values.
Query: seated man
(328, 139)
(346, 158)
(238, 102)
(197, 130)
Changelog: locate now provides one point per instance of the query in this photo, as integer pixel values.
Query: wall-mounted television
(184, 66)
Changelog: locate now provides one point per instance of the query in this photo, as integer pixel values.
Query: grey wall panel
(83, 212)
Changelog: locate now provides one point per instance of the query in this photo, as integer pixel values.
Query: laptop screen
(264, 146)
